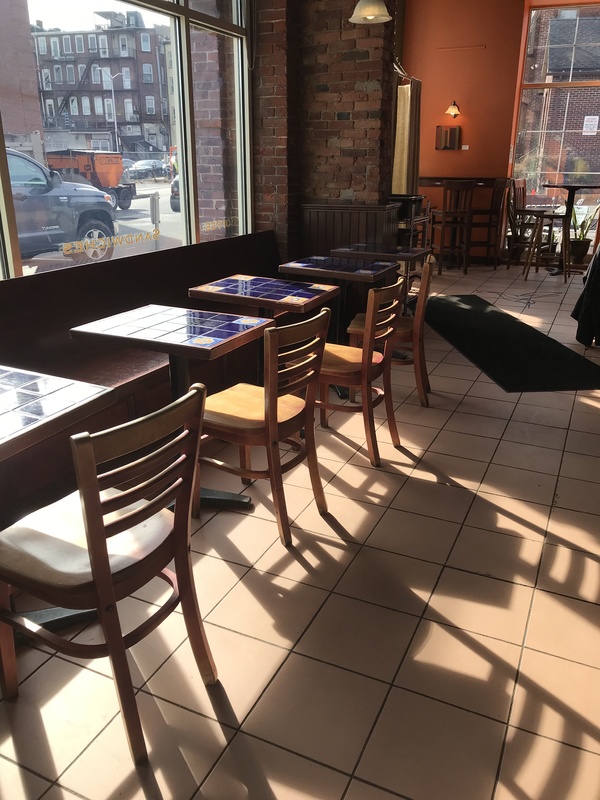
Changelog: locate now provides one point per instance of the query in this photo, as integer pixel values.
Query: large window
(558, 138)
(128, 103)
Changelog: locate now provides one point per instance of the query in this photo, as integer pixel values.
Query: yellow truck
(100, 168)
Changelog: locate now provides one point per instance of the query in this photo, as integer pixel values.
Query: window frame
(181, 17)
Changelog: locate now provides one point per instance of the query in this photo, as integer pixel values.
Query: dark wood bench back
(37, 311)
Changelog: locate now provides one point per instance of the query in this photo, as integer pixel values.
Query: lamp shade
(368, 12)
(453, 109)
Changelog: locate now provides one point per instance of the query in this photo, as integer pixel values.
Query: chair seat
(49, 545)
(339, 359)
(243, 407)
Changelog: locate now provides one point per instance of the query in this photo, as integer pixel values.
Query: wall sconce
(368, 12)
(453, 109)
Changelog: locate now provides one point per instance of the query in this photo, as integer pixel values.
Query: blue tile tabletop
(169, 329)
(30, 398)
(266, 292)
(341, 268)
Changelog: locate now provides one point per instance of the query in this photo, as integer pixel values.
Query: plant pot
(579, 249)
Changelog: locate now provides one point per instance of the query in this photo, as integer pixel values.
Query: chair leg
(313, 468)
(193, 622)
(122, 676)
(196, 497)
(421, 375)
(245, 462)
(369, 421)
(323, 397)
(276, 478)
(9, 682)
(389, 409)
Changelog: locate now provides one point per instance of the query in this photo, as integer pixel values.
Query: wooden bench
(38, 311)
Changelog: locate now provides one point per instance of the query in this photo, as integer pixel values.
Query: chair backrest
(134, 474)
(293, 356)
(516, 203)
(498, 199)
(384, 306)
(458, 195)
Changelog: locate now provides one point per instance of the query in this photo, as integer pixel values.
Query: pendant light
(369, 12)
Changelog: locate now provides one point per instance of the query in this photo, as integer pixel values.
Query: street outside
(136, 232)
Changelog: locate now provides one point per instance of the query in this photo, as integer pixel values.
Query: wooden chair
(543, 245)
(252, 416)
(490, 221)
(358, 367)
(451, 224)
(409, 333)
(522, 222)
(129, 518)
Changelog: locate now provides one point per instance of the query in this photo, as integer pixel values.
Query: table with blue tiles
(357, 273)
(182, 333)
(34, 406)
(266, 294)
(346, 268)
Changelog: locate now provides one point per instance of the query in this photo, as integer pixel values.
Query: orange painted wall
(480, 74)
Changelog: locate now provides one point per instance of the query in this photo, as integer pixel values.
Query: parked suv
(53, 214)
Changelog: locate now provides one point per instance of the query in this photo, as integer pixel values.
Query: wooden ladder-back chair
(252, 416)
(491, 220)
(128, 520)
(410, 333)
(356, 368)
(451, 224)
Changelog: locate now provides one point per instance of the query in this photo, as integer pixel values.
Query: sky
(78, 14)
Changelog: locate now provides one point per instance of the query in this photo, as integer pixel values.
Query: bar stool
(452, 223)
(542, 250)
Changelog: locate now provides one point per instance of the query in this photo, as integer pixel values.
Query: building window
(108, 110)
(147, 73)
(126, 77)
(66, 42)
(58, 76)
(46, 80)
(92, 43)
(73, 107)
(96, 74)
(50, 108)
(80, 71)
(123, 46)
(54, 48)
(145, 42)
(559, 114)
(85, 106)
(103, 46)
(79, 43)
(150, 106)
(42, 46)
(70, 73)
(98, 106)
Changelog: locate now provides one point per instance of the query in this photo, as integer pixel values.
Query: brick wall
(322, 90)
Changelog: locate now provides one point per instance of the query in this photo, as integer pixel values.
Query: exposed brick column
(322, 94)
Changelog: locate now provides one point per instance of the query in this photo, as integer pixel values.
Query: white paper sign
(590, 126)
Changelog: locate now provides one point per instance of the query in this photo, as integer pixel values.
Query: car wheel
(93, 235)
(114, 197)
(125, 199)
(175, 204)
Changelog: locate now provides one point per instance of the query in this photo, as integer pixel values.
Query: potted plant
(580, 243)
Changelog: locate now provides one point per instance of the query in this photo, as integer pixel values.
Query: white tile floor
(436, 638)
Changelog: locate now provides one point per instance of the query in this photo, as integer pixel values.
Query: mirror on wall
(447, 137)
